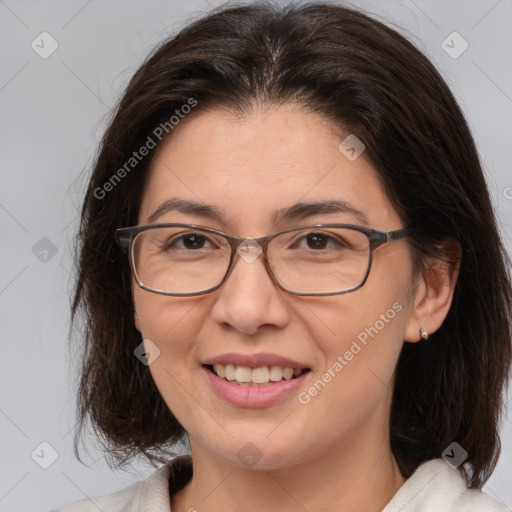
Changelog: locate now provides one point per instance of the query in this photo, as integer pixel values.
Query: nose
(249, 300)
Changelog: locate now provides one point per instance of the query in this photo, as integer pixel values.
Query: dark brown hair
(372, 82)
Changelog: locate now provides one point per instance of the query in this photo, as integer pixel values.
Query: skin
(332, 453)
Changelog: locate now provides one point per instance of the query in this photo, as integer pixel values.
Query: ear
(434, 291)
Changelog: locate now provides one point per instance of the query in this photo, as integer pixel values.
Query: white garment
(433, 487)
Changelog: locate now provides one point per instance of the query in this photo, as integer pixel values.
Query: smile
(260, 376)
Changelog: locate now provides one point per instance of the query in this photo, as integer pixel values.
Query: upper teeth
(261, 375)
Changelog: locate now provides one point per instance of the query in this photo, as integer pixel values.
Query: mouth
(266, 375)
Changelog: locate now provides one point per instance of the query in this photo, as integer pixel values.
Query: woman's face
(248, 170)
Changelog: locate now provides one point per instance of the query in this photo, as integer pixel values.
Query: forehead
(250, 168)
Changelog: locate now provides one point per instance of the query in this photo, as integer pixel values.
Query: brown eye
(188, 241)
(317, 241)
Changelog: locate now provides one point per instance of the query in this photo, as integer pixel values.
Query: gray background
(53, 113)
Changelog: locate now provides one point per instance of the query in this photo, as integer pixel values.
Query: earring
(424, 334)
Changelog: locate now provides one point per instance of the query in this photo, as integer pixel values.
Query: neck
(361, 475)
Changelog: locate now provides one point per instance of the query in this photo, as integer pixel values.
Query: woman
(288, 258)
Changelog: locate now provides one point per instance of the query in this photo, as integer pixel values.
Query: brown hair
(372, 82)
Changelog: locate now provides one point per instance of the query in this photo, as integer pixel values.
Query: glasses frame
(126, 236)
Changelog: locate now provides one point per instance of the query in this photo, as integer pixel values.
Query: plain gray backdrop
(53, 108)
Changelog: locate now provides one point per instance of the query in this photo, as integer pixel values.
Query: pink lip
(254, 396)
(254, 360)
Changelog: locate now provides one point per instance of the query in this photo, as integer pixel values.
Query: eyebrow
(298, 211)
(301, 211)
(188, 207)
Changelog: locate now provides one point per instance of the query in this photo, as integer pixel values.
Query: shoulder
(152, 493)
(437, 487)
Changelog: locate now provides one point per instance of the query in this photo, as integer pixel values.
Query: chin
(258, 452)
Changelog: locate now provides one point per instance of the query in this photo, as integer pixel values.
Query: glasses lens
(326, 260)
(180, 259)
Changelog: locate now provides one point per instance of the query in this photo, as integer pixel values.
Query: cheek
(360, 335)
(359, 356)
(171, 323)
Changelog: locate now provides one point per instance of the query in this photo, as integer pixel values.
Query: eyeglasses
(186, 260)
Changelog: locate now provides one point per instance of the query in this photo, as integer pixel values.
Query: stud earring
(424, 334)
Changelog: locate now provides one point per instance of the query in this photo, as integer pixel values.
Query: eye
(188, 241)
(318, 241)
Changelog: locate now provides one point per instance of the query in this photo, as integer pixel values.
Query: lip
(255, 360)
(254, 396)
